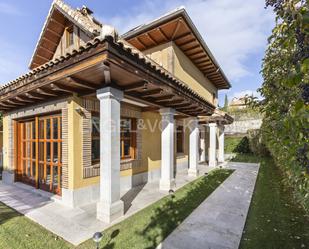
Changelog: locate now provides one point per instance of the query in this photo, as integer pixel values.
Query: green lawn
(145, 229)
(230, 143)
(274, 220)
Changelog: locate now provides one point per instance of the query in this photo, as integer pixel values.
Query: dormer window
(69, 36)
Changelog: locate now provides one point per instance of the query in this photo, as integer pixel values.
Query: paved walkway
(219, 221)
(79, 224)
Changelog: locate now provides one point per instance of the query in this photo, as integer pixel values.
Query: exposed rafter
(46, 92)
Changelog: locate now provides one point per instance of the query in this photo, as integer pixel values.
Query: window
(69, 36)
(95, 139)
(127, 138)
(179, 138)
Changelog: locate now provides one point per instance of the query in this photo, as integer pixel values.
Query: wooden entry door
(39, 157)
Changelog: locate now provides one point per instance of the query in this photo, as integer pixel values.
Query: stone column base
(8, 177)
(212, 164)
(109, 212)
(166, 185)
(193, 172)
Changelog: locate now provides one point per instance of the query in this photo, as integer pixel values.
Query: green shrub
(285, 91)
(243, 147)
(256, 143)
(230, 143)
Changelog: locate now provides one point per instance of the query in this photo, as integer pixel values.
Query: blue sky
(236, 32)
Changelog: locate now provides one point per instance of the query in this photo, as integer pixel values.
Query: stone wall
(244, 122)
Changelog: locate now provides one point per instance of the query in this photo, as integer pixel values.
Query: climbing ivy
(285, 89)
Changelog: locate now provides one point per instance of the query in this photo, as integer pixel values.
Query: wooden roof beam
(46, 92)
(46, 50)
(139, 85)
(140, 42)
(14, 102)
(152, 92)
(61, 88)
(173, 102)
(81, 83)
(47, 40)
(176, 29)
(53, 32)
(34, 96)
(26, 100)
(194, 47)
(162, 34)
(195, 53)
(151, 39)
(57, 22)
(5, 105)
(164, 98)
(186, 42)
(185, 35)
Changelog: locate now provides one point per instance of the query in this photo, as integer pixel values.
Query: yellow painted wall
(75, 167)
(151, 147)
(175, 61)
(185, 70)
(6, 165)
(151, 141)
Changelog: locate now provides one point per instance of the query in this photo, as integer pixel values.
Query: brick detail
(65, 170)
(91, 105)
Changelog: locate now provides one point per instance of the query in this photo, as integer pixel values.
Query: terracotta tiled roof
(92, 44)
(88, 22)
(84, 21)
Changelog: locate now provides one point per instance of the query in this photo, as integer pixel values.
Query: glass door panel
(40, 144)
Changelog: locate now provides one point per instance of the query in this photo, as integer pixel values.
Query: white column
(203, 144)
(109, 207)
(193, 147)
(212, 158)
(167, 180)
(221, 145)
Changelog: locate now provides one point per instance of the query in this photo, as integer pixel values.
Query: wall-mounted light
(80, 111)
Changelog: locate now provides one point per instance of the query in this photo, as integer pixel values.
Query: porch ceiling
(101, 63)
(179, 28)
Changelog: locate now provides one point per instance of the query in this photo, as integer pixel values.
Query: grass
(274, 219)
(230, 143)
(145, 229)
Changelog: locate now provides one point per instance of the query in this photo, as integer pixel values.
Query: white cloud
(9, 9)
(234, 30)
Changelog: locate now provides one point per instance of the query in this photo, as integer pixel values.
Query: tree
(285, 90)
(226, 103)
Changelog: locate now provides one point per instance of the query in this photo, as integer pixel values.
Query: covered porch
(99, 78)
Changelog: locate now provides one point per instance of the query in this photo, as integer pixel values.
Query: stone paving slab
(219, 221)
(79, 224)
